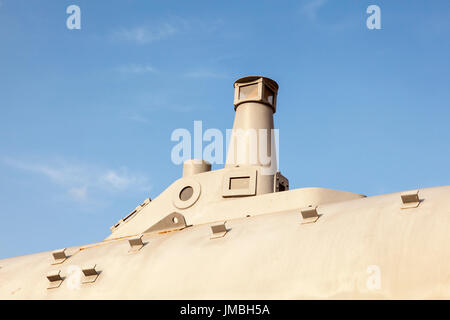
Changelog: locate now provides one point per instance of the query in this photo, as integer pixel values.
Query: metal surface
(270, 256)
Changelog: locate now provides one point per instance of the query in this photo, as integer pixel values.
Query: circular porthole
(187, 192)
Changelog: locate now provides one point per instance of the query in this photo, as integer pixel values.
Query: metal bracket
(173, 221)
(309, 215)
(90, 274)
(218, 231)
(280, 182)
(59, 256)
(55, 279)
(135, 243)
(410, 199)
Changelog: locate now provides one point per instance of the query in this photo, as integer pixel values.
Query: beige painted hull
(268, 256)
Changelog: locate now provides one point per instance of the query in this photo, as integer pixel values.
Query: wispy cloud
(79, 194)
(205, 74)
(145, 102)
(311, 7)
(119, 180)
(146, 34)
(138, 118)
(136, 68)
(80, 180)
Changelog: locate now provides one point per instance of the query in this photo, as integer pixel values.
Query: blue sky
(86, 115)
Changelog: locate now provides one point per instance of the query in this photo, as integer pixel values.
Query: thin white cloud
(136, 68)
(311, 8)
(120, 180)
(138, 118)
(61, 173)
(146, 34)
(145, 102)
(79, 180)
(204, 74)
(79, 194)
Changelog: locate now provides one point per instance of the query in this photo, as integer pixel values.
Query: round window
(186, 193)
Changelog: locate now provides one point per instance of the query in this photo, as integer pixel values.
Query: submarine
(241, 233)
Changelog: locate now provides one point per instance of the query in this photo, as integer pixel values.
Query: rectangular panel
(239, 183)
